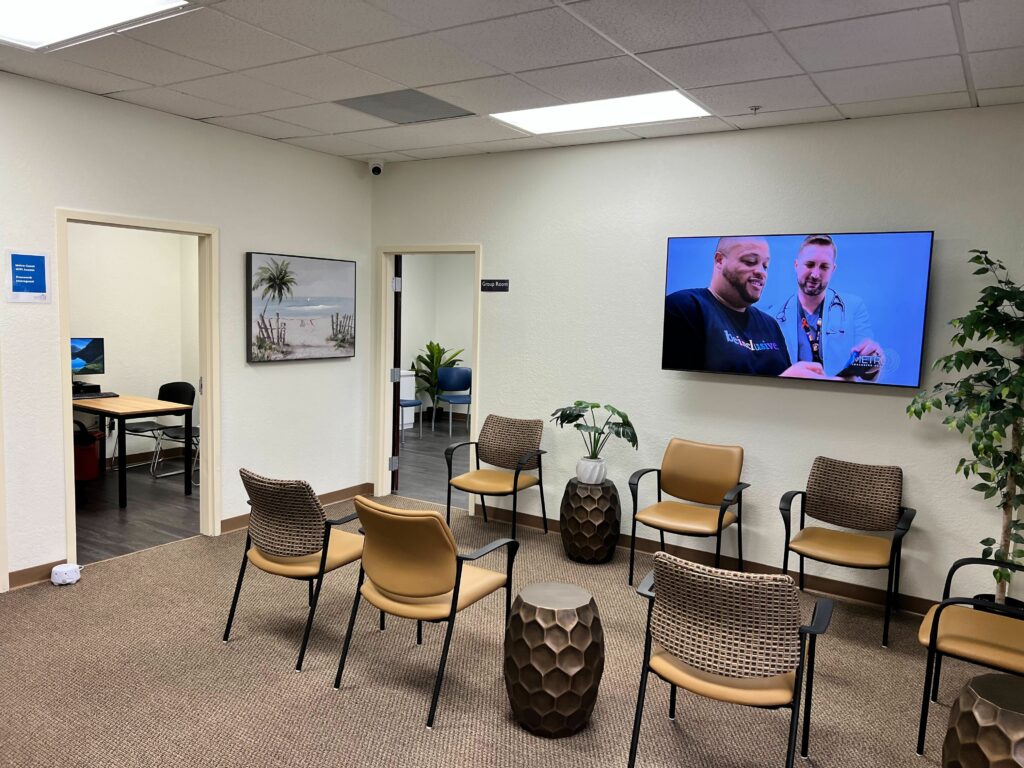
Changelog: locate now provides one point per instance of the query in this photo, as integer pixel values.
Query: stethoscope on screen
(830, 329)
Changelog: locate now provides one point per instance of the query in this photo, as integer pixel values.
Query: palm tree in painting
(277, 281)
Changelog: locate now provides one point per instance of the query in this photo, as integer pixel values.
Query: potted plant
(986, 405)
(427, 364)
(591, 469)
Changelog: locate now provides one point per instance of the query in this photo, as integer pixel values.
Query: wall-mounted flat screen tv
(826, 306)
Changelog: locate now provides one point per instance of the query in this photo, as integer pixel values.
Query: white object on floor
(68, 573)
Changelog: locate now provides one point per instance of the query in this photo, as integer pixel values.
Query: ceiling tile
(260, 126)
(340, 144)
(219, 40)
(47, 67)
(680, 127)
(383, 157)
(237, 90)
(598, 136)
(323, 78)
(901, 106)
(998, 69)
(604, 79)
(530, 41)
(993, 24)
(417, 61)
(728, 61)
(786, 117)
(326, 25)
(167, 100)
(646, 25)
(893, 81)
(492, 94)
(914, 34)
(770, 95)
(438, 14)
(800, 13)
(460, 130)
(990, 98)
(328, 118)
(130, 58)
(432, 153)
(512, 145)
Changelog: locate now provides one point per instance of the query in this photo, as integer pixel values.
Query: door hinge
(394, 375)
(396, 284)
(392, 463)
(200, 385)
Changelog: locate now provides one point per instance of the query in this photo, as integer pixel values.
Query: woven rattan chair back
(725, 622)
(504, 440)
(700, 472)
(408, 554)
(286, 518)
(861, 496)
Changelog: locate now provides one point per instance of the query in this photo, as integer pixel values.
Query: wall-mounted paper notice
(27, 278)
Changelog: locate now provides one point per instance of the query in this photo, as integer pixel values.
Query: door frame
(386, 350)
(209, 357)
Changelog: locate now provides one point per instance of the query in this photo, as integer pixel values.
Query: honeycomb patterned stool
(589, 521)
(554, 658)
(986, 724)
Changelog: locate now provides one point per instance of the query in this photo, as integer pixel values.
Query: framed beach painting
(300, 308)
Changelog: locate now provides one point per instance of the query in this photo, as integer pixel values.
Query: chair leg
(515, 504)
(382, 627)
(419, 418)
(888, 606)
(638, 717)
(448, 507)
(938, 673)
(238, 589)
(433, 416)
(810, 694)
(923, 725)
(419, 633)
(785, 559)
(543, 508)
(718, 549)
(739, 541)
(440, 672)
(795, 718)
(348, 633)
(314, 597)
(451, 412)
(309, 601)
(672, 703)
(801, 573)
(632, 551)
(483, 507)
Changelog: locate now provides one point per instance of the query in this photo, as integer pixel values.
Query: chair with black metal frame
(512, 445)
(696, 472)
(729, 636)
(404, 403)
(172, 392)
(411, 568)
(289, 535)
(451, 381)
(863, 497)
(175, 435)
(971, 629)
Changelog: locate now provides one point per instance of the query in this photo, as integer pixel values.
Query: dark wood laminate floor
(158, 512)
(423, 473)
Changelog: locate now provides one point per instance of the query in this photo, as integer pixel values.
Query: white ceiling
(273, 67)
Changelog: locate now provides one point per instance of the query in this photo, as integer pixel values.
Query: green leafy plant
(595, 437)
(986, 404)
(427, 364)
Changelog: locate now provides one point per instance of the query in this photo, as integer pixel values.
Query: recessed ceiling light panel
(36, 24)
(627, 110)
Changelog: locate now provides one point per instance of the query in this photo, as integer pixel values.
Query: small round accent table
(554, 658)
(589, 521)
(986, 724)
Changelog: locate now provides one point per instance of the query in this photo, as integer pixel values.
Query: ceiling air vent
(404, 107)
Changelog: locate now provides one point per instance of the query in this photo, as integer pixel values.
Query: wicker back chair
(512, 445)
(729, 636)
(862, 497)
(289, 535)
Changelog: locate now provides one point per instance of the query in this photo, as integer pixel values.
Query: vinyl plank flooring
(422, 472)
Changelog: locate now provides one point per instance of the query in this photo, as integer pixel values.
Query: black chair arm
(449, 452)
(984, 605)
(634, 483)
(512, 544)
(342, 520)
(646, 588)
(907, 515)
(733, 495)
(976, 561)
(527, 457)
(786, 506)
(820, 618)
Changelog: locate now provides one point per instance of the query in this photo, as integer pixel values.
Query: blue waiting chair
(403, 404)
(451, 380)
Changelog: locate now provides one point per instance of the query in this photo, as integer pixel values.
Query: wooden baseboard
(843, 589)
(331, 497)
(33, 575)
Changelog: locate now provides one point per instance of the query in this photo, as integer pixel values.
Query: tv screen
(826, 306)
(86, 356)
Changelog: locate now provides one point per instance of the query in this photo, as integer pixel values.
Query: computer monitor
(86, 356)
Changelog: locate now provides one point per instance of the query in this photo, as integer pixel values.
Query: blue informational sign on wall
(26, 278)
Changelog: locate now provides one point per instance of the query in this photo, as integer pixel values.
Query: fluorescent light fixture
(36, 24)
(627, 110)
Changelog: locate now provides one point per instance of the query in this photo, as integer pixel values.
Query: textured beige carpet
(127, 669)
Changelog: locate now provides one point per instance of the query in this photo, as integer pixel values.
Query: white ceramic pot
(591, 471)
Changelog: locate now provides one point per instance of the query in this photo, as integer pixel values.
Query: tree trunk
(1008, 493)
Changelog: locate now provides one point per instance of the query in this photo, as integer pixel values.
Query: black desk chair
(173, 392)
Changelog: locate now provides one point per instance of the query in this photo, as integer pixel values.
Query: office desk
(132, 407)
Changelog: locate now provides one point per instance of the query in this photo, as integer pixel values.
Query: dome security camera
(376, 167)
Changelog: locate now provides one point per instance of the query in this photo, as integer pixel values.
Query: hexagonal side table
(589, 521)
(554, 658)
(986, 724)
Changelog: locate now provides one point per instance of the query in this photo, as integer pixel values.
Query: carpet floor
(127, 669)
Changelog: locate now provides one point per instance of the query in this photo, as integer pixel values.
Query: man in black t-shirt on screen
(718, 328)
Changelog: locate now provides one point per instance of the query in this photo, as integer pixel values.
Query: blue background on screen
(887, 271)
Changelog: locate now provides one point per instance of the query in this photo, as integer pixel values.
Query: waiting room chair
(403, 404)
(289, 535)
(512, 445)
(730, 636)
(450, 381)
(172, 392)
(980, 631)
(863, 497)
(696, 472)
(412, 569)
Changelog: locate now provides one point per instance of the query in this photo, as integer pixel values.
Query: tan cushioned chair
(289, 535)
(411, 568)
(863, 497)
(707, 477)
(730, 636)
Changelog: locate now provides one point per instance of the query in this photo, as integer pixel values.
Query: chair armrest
(526, 458)
(646, 588)
(907, 515)
(976, 561)
(785, 507)
(343, 520)
(733, 494)
(449, 452)
(634, 483)
(512, 544)
(820, 618)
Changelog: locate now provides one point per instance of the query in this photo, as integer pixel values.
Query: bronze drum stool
(554, 658)
(986, 724)
(589, 521)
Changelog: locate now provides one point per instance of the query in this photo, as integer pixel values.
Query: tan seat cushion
(677, 517)
(774, 691)
(343, 548)
(476, 584)
(859, 550)
(492, 482)
(986, 638)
